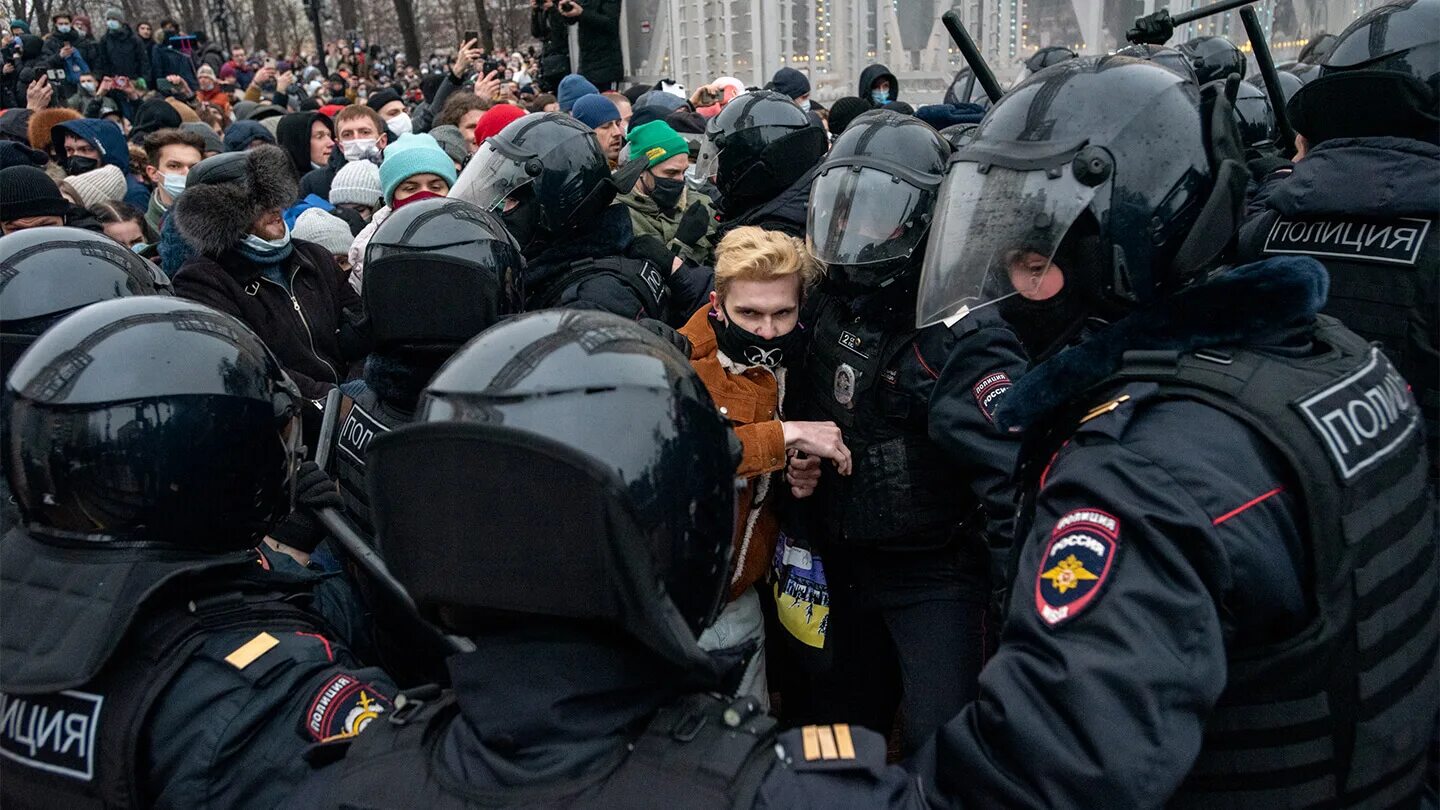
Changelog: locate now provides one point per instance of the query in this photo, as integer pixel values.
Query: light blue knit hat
(413, 154)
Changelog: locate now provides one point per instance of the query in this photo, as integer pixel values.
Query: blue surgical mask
(113, 25)
(139, 247)
(64, 29)
(173, 184)
(880, 96)
(260, 245)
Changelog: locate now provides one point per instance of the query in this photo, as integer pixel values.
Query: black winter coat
(601, 60)
(121, 53)
(306, 327)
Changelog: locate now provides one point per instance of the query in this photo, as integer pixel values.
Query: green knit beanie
(656, 142)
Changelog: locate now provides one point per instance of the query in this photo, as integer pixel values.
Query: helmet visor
(997, 230)
(491, 176)
(707, 164)
(862, 215)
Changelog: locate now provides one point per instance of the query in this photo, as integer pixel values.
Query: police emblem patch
(343, 707)
(844, 384)
(989, 391)
(1076, 564)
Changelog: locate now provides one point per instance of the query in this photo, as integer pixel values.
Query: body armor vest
(1384, 286)
(1340, 714)
(81, 748)
(689, 756)
(637, 275)
(902, 491)
(362, 417)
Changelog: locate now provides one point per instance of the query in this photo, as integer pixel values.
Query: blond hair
(750, 253)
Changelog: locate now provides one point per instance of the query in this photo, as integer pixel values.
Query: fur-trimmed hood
(214, 217)
(1264, 302)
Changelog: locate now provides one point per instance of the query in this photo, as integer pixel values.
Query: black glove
(671, 336)
(1152, 29)
(1266, 165)
(651, 249)
(313, 490)
(694, 224)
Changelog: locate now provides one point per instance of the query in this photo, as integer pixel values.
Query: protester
(120, 54)
(661, 203)
(170, 155)
(600, 114)
(125, 224)
(29, 199)
(357, 187)
(308, 138)
(327, 231)
(105, 184)
(415, 168)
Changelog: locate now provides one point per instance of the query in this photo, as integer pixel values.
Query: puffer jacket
(750, 399)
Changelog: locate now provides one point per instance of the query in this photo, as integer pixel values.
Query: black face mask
(666, 192)
(523, 223)
(79, 165)
(1046, 327)
(748, 348)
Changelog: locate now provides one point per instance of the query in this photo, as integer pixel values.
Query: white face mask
(360, 149)
(173, 183)
(64, 29)
(400, 124)
(260, 245)
(805, 105)
(88, 87)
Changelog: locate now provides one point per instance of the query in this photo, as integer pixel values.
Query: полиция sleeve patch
(1076, 564)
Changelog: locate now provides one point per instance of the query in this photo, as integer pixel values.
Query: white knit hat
(357, 183)
(104, 184)
(324, 229)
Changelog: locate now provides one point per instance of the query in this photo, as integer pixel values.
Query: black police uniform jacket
(1368, 209)
(603, 268)
(917, 410)
(1227, 589)
(194, 683)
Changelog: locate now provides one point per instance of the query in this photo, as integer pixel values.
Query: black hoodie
(874, 73)
(293, 135)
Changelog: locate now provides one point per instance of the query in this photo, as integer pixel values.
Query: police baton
(1157, 28)
(982, 72)
(1261, 47)
(366, 558)
(327, 428)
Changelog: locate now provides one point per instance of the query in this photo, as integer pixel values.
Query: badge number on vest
(1076, 564)
(852, 342)
(54, 733)
(1364, 417)
(1396, 243)
(359, 428)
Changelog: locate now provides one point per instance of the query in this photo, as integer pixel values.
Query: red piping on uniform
(1045, 474)
(328, 652)
(924, 364)
(1233, 512)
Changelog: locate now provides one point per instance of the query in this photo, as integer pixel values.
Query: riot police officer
(584, 585)
(549, 181)
(903, 536)
(1227, 568)
(762, 152)
(152, 656)
(437, 273)
(1361, 197)
(49, 273)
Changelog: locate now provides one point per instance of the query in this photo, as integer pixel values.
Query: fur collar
(1255, 303)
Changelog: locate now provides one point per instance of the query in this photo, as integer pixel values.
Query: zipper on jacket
(295, 302)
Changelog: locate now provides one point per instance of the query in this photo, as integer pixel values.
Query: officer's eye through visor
(996, 232)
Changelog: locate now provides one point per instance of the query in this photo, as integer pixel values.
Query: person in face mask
(170, 154)
(209, 90)
(290, 292)
(741, 343)
(85, 144)
(660, 205)
(879, 85)
(391, 107)
(360, 134)
(415, 169)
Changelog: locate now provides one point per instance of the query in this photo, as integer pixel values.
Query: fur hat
(45, 120)
(225, 193)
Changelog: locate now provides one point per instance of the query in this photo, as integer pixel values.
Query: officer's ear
(1219, 218)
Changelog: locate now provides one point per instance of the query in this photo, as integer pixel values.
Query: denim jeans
(741, 623)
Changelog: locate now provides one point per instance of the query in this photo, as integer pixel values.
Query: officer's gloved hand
(694, 224)
(313, 490)
(1264, 166)
(654, 251)
(356, 337)
(671, 336)
(1152, 29)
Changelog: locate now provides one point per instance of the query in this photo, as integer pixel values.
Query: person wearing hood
(879, 85)
(661, 204)
(308, 138)
(243, 135)
(85, 144)
(290, 292)
(120, 53)
(170, 154)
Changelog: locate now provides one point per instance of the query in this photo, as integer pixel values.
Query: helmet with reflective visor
(1213, 58)
(438, 273)
(590, 405)
(871, 204)
(757, 147)
(1125, 144)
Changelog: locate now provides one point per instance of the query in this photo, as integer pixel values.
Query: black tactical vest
(689, 756)
(640, 277)
(82, 748)
(902, 492)
(361, 418)
(1341, 714)
(1384, 285)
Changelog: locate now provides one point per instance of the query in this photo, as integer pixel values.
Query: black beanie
(1365, 104)
(845, 110)
(380, 98)
(27, 191)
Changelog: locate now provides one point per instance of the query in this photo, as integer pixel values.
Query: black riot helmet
(624, 515)
(437, 273)
(152, 421)
(1213, 58)
(1289, 81)
(1045, 57)
(47, 273)
(757, 147)
(872, 202)
(1119, 171)
(1162, 55)
(1381, 78)
(1254, 116)
(545, 175)
(965, 89)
